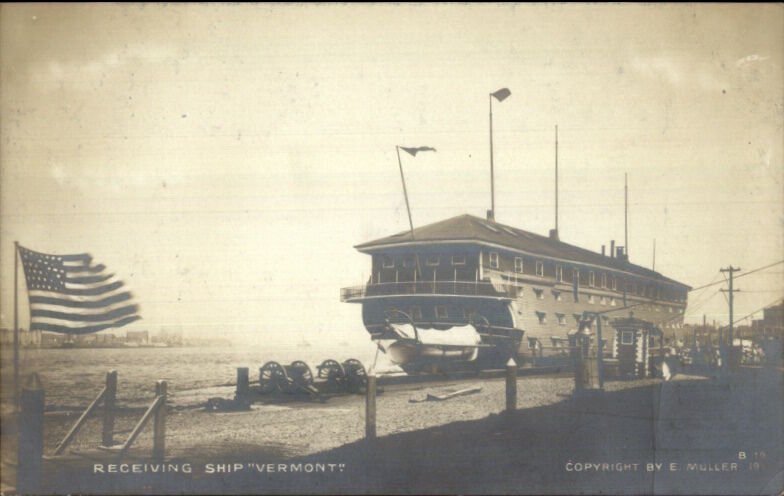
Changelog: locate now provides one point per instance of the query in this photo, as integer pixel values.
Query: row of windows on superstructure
(409, 262)
(602, 280)
(602, 300)
(441, 312)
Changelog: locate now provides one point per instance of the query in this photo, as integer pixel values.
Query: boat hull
(497, 338)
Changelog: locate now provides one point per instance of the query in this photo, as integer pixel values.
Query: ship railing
(452, 288)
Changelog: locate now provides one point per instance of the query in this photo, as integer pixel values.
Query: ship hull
(498, 339)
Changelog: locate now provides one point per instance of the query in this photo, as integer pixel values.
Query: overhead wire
(739, 275)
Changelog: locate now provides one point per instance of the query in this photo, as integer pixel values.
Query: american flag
(69, 294)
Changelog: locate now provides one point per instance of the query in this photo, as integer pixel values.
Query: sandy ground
(301, 428)
(461, 444)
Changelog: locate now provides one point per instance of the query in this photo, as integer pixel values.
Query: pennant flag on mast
(413, 151)
(501, 94)
(68, 294)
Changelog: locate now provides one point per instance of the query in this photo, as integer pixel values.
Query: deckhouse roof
(471, 228)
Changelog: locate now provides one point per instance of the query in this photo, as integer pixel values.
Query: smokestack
(554, 234)
(619, 252)
(491, 215)
(603, 251)
(612, 248)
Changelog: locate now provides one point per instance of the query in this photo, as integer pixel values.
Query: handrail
(467, 288)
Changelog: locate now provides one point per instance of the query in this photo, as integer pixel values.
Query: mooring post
(31, 437)
(511, 386)
(243, 382)
(370, 407)
(576, 349)
(159, 426)
(599, 352)
(109, 402)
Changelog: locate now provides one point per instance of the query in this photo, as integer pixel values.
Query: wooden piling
(243, 382)
(159, 423)
(511, 386)
(109, 402)
(370, 408)
(577, 362)
(31, 437)
(599, 352)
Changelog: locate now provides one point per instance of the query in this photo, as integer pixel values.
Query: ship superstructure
(504, 281)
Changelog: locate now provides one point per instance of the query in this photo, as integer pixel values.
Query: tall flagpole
(16, 324)
(492, 179)
(405, 192)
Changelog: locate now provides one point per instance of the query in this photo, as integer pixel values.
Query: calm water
(73, 377)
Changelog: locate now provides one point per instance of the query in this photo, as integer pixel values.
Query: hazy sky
(224, 159)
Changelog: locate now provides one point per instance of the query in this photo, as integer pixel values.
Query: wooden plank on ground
(445, 395)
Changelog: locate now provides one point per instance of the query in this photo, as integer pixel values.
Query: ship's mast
(492, 172)
(405, 191)
(499, 95)
(556, 179)
(653, 265)
(626, 214)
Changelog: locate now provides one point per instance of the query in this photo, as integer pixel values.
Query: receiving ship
(493, 292)
(471, 291)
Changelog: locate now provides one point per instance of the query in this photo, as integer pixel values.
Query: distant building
(27, 339)
(86, 339)
(52, 340)
(771, 323)
(138, 337)
(168, 337)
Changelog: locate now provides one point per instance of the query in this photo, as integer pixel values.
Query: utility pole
(703, 330)
(731, 270)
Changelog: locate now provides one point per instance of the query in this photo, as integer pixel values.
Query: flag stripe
(82, 302)
(41, 326)
(73, 317)
(88, 279)
(81, 257)
(73, 324)
(79, 311)
(100, 290)
(88, 285)
(81, 268)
